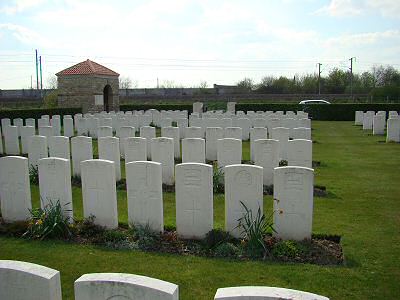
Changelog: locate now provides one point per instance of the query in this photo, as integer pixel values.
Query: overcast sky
(192, 41)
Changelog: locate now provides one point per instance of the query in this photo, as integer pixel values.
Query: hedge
(37, 112)
(176, 106)
(323, 112)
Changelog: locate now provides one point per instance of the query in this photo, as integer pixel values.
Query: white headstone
(1, 142)
(213, 134)
(59, 147)
(379, 124)
(15, 192)
(117, 286)
(56, 125)
(231, 107)
(173, 133)
(256, 133)
(293, 202)
(19, 123)
(233, 133)
(148, 133)
(194, 200)
(198, 107)
(23, 280)
(193, 150)
(5, 122)
(282, 135)
(162, 151)
(368, 119)
(99, 192)
(46, 131)
(81, 126)
(359, 117)
(300, 153)
(243, 183)
(68, 127)
(264, 293)
(194, 133)
(301, 133)
(144, 193)
(37, 150)
(229, 152)
(55, 183)
(11, 141)
(124, 133)
(109, 150)
(266, 155)
(26, 133)
(182, 123)
(105, 131)
(393, 130)
(81, 149)
(245, 124)
(135, 149)
(30, 122)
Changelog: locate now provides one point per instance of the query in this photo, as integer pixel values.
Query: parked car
(317, 101)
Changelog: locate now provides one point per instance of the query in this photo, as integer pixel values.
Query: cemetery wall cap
(87, 67)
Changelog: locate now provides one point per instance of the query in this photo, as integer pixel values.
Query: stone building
(88, 85)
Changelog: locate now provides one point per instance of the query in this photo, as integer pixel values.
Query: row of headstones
(266, 153)
(293, 194)
(377, 123)
(28, 281)
(89, 124)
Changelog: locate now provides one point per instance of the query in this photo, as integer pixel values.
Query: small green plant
(49, 222)
(226, 250)
(218, 179)
(254, 229)
(216, 237)
(283, 163)
(146, 238)
(33, 175)
(288, 249)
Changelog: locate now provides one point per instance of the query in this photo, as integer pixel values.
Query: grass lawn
(362, 176)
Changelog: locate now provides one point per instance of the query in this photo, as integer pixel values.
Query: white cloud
(23, 34)
(351, 8)
(19, 6)
(341, 8)
(387, 8)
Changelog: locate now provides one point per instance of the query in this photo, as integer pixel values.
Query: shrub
(216, 237)
(146, 238)
(50, 100)
(88, 229)
(254, 229)
(49, 222)
(33, 175)
(288, 249)
(226, 250)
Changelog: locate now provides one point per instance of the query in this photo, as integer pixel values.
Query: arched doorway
(107, 96)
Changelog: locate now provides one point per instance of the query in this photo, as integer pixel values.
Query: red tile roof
(87, 67)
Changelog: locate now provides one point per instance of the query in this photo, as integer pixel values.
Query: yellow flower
(39, 222)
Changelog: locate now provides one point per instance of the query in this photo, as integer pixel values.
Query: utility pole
(351, 76)
(37, 72)
(40, 63)
(31, 81)
(319, 78)
(157, 83)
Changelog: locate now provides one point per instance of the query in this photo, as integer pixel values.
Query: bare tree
(125, 82)
(51, 82)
